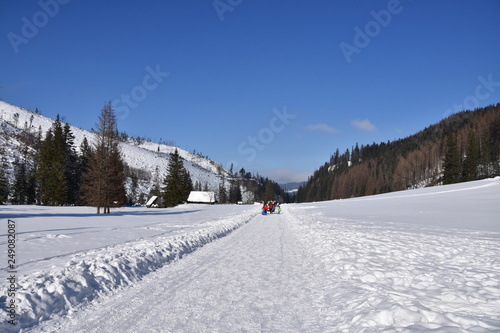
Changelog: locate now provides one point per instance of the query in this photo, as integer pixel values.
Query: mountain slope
(412, 162)
(145, 157)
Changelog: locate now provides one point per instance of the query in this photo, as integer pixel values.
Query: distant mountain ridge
(413, 162)
(292, 186)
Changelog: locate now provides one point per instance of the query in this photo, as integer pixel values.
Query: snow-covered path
(413, 261)
(307, 271)
(258, 279)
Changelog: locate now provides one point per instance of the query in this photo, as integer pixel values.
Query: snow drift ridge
(60, 290)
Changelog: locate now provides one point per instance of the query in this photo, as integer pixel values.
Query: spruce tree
(85, 153)
(222, 191)
(50, 170)
(72, 167)
(187, 184)
(20, 185)
(4, 187)
(471, 160)
(177, 182)
(451, 163)
(235, 192)
(269, 193)
(4, 179)
(83, 164)
(31, 187)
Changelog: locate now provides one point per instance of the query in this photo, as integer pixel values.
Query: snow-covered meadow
(412, 261)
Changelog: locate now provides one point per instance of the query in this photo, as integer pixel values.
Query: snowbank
(94, 272)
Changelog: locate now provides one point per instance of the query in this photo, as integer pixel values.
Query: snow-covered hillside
(147, 156)
(410, 261)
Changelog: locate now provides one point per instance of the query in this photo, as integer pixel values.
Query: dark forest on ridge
(462, 147)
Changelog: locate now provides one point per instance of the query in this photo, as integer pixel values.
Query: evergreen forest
(462, 147)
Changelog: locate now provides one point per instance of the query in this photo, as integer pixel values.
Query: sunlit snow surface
(421, 260)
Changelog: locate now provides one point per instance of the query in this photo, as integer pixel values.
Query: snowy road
(306, 271)
(413, 261)
(258, 279)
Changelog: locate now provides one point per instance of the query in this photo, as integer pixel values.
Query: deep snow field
(411, 261)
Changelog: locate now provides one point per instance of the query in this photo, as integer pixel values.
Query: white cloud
(322, 128)
(363, 125)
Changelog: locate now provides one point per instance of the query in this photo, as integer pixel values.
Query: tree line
(462, 147)
(51, 171)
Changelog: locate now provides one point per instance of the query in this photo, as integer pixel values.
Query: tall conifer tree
(4, 187)
(4, 181)
(19, 189)
(104, 180)
(222, 191)
(50, 170)
(269, 193)
(472, 158)
(452, 163)
(177, 182)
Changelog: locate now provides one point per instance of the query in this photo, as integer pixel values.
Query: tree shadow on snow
(15, 214)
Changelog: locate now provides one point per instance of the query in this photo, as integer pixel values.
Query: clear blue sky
(271, 86)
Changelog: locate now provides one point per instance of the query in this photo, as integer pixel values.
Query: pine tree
(451, 161)
(4, 186)
(269, 193)
(222, 191)
(4, 178)
(31, 187)
(85, 153)
(177, 182)
(50, 170)
(235, 192)
(72, 166)
(83, 165)
(187, 184)
(104, 180)
(472, 158)
(20, 185)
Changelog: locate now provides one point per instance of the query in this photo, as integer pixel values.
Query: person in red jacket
(270, 207)
(265, 207)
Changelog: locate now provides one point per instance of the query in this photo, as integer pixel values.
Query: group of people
(271, 207)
